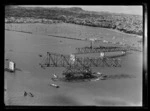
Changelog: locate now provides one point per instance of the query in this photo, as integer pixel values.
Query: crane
(61, 60)
(77, 68)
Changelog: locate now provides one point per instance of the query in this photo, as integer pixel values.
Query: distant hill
(124, 22)
(75, 9)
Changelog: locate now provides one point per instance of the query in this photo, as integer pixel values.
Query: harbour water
(24, 49)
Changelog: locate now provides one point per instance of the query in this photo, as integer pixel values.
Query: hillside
(122, 22)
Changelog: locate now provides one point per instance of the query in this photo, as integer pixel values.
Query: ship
(82, 74)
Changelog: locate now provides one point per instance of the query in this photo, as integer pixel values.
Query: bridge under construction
(84, 50)
(78, 67)
(60, 60)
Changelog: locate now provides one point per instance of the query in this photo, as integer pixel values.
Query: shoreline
(136, 35)
(36, 80)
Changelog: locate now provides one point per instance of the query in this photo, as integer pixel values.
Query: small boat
(54, 85)
(95, 79)
(25, 93)
(28, 94)
(31, 95)
(55, 76)
(99, 73)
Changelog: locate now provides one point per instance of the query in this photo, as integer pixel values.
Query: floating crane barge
(77, 68)
(77, 74)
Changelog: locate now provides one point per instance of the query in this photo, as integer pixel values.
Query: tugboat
(54, 85)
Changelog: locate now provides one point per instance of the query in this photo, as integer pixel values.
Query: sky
(137, 9)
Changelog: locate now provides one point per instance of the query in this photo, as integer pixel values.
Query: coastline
(115, 30)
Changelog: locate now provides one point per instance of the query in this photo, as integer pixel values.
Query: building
(9, 65)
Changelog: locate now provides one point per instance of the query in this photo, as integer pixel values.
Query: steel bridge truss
(85, 50)
(60, 60)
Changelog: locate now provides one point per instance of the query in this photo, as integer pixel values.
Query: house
(9, 65)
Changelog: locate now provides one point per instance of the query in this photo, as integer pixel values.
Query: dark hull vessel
(78, 74)
(92, 77)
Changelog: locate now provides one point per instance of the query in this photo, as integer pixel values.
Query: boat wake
(120, 76)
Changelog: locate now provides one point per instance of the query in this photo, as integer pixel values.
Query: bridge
(61, 60)
(100, 49)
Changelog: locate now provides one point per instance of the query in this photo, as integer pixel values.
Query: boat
(54, 85)
(92, 77)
